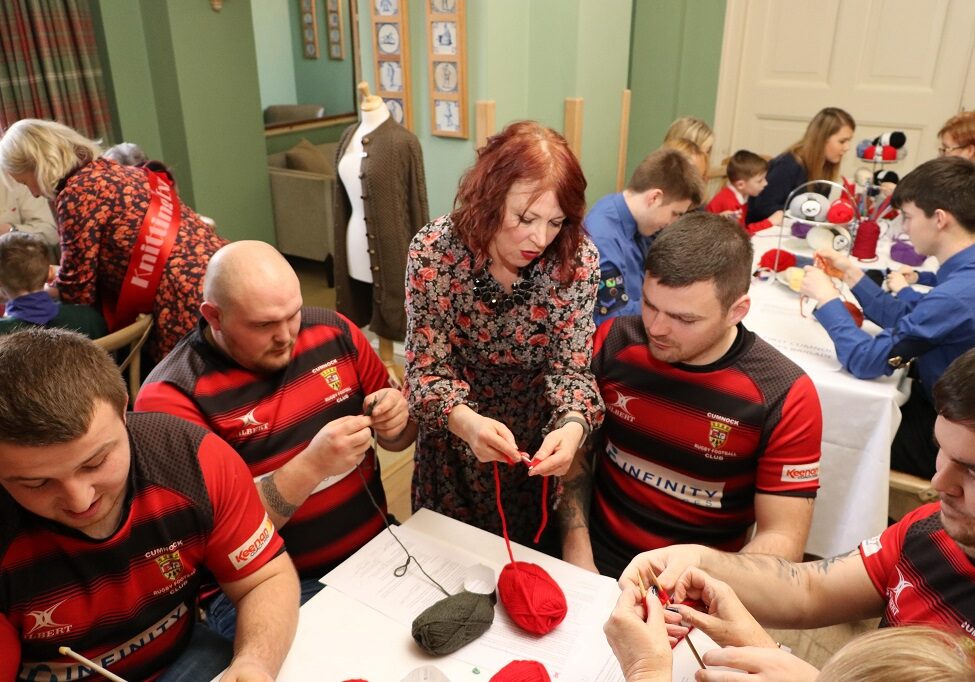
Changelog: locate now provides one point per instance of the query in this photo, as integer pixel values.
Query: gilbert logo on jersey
(250, 424)
(45, 626)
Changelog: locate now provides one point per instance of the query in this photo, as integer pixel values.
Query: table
(340, 637)
(860, 417)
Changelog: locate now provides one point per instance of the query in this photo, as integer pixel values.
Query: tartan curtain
(49, 66)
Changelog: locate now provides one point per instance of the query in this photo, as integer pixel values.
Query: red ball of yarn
(786, 260)
(532, 598)
(522, 671)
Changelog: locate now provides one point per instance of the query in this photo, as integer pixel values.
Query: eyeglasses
(944, 150)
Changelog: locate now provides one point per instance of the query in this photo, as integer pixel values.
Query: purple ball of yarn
(800, 229)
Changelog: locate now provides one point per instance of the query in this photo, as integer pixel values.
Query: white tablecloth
(860, 417)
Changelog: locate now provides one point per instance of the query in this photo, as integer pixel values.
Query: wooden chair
(134, 337)
(907, 493)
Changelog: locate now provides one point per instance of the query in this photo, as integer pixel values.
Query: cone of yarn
(522, 671)
(865, 244)
(531, 597)
(446, 626)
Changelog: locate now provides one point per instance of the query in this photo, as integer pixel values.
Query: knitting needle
(108, 675)
(660, 590)
(375, 401)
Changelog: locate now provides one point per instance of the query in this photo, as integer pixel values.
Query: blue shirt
(935, 328)
(622, 250)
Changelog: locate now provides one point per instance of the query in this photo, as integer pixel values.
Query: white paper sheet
(368, 577)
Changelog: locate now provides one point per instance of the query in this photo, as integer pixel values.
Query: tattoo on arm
(576, 495)
(274, 499)
(823, 566)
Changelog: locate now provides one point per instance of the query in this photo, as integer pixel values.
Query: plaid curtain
(49, 65)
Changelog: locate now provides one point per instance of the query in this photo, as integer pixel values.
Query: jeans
(221, 615)
(207, 654)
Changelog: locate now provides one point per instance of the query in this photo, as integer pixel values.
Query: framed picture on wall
(447, 67)
(391, 52)
(309, 30)
(336, 35)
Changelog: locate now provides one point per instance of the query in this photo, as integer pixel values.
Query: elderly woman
(128, 245)
(499, 302)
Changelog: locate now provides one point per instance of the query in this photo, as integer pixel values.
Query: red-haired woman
(499, 300)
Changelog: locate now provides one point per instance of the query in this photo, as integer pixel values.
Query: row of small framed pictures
(309, 29)
(446, 58)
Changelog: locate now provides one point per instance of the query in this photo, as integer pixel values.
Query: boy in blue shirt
(938, 202)
(663, 187)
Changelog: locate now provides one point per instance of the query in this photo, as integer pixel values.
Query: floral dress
(100, 209)
(522, 360)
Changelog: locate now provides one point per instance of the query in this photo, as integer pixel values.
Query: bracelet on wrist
(578, 420)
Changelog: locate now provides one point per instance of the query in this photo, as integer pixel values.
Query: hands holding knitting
(489, 439)
(641, 647)
(727, 621)
(555, 455)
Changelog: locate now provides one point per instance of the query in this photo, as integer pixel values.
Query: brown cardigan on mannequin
(395, 199)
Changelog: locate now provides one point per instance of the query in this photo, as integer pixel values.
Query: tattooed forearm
(274, 500)
(576, 495)
(825, 565)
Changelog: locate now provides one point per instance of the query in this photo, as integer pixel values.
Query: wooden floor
(814, 646)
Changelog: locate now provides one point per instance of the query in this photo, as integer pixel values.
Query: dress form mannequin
(380, 203)
(374, 113)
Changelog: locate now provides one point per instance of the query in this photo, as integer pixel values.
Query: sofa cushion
(305, 156)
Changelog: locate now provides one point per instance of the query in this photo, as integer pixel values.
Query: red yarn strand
(541, 528)
(504, 523)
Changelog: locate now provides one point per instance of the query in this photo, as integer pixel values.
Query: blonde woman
(128, 245)
(916, 653)
(816, 156)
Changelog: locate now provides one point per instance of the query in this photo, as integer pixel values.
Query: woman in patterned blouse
(499, 302)
(100, 206)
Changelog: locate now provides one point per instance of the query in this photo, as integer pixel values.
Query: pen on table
(668, 603)
(107, 674)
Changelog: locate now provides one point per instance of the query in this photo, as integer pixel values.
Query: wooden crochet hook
(661, 591)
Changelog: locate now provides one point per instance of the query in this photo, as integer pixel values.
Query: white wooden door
(893, 64)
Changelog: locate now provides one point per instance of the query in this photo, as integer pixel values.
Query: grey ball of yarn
(451, 623)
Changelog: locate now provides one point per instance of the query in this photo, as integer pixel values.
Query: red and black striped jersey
(685, 448)
(270, 418)
(923, 575)
(128, 602)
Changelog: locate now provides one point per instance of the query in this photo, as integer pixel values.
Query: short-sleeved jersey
(128, 602)
(922, 573)
(270, 418)
(685, 448)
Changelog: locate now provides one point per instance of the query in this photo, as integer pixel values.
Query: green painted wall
(674, 65)
(275, 53)
(528, 57)
(323, 80)
(185, 87)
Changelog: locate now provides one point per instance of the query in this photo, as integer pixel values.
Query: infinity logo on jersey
(253, 545)
(45, 619)
(677, 485)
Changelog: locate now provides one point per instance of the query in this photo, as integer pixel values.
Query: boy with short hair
(746, 178)
(24, 268)
(663, 187)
